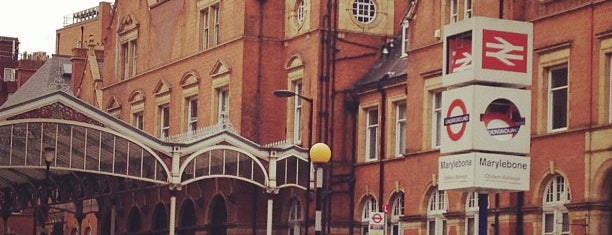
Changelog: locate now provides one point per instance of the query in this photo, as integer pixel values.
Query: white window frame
(138, 120)
(223, 105)
(552, 115)
(397, 210)
(556, 194)
(453, 12)
(128, 58)
(364, 11)
(164, 121)
(369, 205)
(300, 9)
(405, 25)
(209, 21)
(216, 25)
(371, 134)
(467, 9)
(436, 119)
(192, 114)
(436, 207)
(298, 125)
(400, 128)
(295, 219)
(471, 213)
(609, 58)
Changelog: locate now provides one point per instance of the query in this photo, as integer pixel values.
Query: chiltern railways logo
(502, 119)
(456, 116)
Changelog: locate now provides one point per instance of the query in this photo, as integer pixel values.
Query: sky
(34, 22)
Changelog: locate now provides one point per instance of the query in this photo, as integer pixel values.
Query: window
(405, 25)
(192, 114)
(397, 210)
(471, 214)
(138, 120)
(164, 121)
(128, 59)
(555, 215)
(557, 97)
(453, 11)
(364, 11)
(400, 128)
(295, 217)
(223, 106)
(467, 11)
(297, 113)
(369, 205)
(609, 60)
(436, 207)
(9, 74)
(299, 11)
(371, 140)
(209, 17)
(436, 118)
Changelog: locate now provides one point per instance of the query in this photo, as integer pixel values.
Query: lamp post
(320, 154)
(286, 94)
(49, 155)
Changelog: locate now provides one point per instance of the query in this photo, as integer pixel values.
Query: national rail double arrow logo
(504, 51)
(462, 118)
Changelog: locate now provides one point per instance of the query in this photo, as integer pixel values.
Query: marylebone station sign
(488, 50)
(484, 172)
(486, 119)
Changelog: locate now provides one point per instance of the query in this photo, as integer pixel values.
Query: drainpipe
(381, 165)
(259, 68)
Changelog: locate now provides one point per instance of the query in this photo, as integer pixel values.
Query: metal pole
(308, 189)
(319, 185)
(269, 218)
(172, 223)
(483, 204)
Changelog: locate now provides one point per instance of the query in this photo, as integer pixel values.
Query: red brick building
(569, 187)
(178, 130)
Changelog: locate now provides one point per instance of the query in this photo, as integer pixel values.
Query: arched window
(436, 207)
(397, 210)
(471, 214)
(159, 222)
(296, 218)
(555, 218)
(369, 205)
(187, 218)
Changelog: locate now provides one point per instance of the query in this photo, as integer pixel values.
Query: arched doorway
(134, 221)
(160, 220)
(218, 216)
(187, 218)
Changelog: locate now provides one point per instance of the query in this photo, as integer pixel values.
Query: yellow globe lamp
(320, 153)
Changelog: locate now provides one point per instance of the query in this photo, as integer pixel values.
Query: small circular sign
(377, 218)
(461, 118)
(502, 119)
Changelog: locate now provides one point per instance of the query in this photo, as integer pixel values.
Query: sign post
(487, 64)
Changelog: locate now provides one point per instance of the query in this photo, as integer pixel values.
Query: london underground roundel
(502, 119)
(456, 119)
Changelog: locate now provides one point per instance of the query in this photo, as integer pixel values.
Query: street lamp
(49, 155)
(320, 154)
(287, 94)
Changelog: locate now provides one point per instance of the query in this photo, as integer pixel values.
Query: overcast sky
(34, 21)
